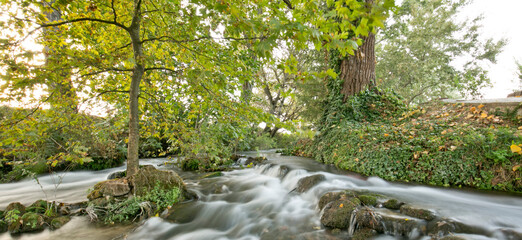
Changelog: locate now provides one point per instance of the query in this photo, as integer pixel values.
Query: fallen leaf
(386, 135)
(483, 115)
(472, 109)
(516, 168)
(342, 205)
(515, 149)
(480, 106)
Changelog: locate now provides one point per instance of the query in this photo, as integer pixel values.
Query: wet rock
(3, 226)
(417, 212)
(149, 177)
(182, 213)
(393, 204)
(29, 222)
(15, 206)
(363, 234)
(255, 160)
(510, 234)
(60, 221)
(72, 208)
(212, 175)
(102, 202)
(283, 170)
(368, 200)
(453, 238)
(236, 157)
(337, 213)
(442, 227)
(306, 183)
(115, 175)
(333, 196)
(388, 223)
(40, 206)
(111, 188)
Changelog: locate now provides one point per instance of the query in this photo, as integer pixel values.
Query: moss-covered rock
(333, 196)
(15, 206)
(307, 183)
(383, 222)
(39, 206)
(60, 221)
(453, 238)
(212, 175)
(337, 213)
(115, 175)
(29, 222)
(368, 200)
(417, 212)
(148, 177)
(393, 204)
(364, 234)
(110, 188)
(3, 226)
(255, 160)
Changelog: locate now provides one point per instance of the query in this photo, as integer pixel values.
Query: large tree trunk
(358, 70)
(137, 74)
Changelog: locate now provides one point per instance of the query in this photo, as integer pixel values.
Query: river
(258, 203)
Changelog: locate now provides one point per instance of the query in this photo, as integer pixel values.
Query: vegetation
(418, 52)
(437, 144)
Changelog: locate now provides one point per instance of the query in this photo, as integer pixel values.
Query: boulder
(110, 188)
(29, 222)
(114, 175)
(389, 223)
(393, 204)
(417, 212)
(3, 226)
(60, 221)
(212, 175)
(255, 160)
(368, 200)
(15, 206)
(40, 206)
(363, 234)
(333, 196)
(337, 214)
(149, 177)
(307, 183)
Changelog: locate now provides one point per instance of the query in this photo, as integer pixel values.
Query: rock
(15, 206)
(110, 188)
(115, 175)
(307, 183)
(368, 200)
(393, 204)
(453, 238)
(212, 175)
(388, 223)
(333, 196)
(40, 206)
(283, 170)
(337, 213)
(255, 160)
(511, 234)
(29, 222)
(149, 177)
(60, 221)
(3, 226)
(236, 157)
(363, 234)
(417, 212)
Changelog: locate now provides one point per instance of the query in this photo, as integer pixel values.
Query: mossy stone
(306, 183)
(15, 206)
(32, 222)
(40, 206)
(368, 200)
(363, 234)
(393, 204)
(417, 212)
(3, 226)
(337, 214)
(212, 175)
(60, 221)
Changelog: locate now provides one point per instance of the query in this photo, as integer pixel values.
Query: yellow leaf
(484, 115)
(473, 109)
(516, 167)
(342, 205)
(54, 163)
(443, 132)
(515, 149)
(386, 135)
(480, 106)
(520, 128)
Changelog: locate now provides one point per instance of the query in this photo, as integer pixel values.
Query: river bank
(259, 203)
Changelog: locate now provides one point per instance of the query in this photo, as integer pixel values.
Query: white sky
(502, 19)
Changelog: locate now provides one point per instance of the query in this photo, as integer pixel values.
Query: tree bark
(358, 70)
(137, 75)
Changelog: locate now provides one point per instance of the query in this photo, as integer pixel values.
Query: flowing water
(258, 203)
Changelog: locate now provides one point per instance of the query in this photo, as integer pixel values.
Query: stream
(258, 203)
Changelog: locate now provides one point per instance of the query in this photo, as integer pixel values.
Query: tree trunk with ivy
(358, 71)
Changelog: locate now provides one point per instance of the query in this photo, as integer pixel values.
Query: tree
(122, 54)
(418, 51)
